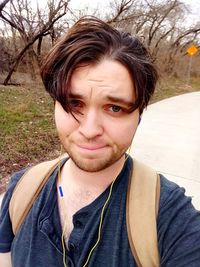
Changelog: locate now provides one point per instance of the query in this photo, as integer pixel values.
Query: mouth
(90, 147)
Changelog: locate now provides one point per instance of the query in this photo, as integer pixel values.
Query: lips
(91, 147)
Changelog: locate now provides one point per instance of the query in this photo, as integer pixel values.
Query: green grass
(27, 129)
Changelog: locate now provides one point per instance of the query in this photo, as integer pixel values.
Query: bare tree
(31, 25)
(159, 25)
(120, 8)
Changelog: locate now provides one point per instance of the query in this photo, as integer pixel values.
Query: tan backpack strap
(141, 214)
(27, 190)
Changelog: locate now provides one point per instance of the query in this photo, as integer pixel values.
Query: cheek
(59, 120)
(124, 130)
(124, 133)
(64, 122)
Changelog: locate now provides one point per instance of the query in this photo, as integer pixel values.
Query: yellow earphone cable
(65, 222)
(63, 242)
(101, 217)
(100, 225)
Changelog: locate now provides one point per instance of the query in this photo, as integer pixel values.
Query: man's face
(101, 94)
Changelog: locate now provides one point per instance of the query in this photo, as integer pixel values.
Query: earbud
(140, 117)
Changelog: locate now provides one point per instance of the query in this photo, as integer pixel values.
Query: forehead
(107, 77)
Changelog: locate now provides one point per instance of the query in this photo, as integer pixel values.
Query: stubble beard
(95, 164)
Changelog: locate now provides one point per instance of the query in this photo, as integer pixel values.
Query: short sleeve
(178, 228)
(6, 233)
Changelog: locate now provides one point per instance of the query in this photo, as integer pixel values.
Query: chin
(95, 164)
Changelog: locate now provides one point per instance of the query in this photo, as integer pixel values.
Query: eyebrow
(117, 100)
(72, 95)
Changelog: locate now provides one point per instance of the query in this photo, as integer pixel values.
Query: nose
(90, 125)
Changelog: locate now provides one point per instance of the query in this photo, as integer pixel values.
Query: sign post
(192, 50)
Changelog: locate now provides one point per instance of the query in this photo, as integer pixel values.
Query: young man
(101, 80)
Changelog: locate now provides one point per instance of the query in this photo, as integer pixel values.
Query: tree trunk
(16, 63)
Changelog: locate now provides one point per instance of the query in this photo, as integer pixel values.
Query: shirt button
(71, 246)
(78, 224)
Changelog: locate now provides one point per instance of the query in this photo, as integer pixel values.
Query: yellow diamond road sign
(192, 50)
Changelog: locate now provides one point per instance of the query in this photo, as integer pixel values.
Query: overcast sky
(194, 5)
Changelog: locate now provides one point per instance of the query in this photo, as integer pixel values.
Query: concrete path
(168, 139)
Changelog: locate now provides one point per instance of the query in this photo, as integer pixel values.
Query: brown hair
(88, 42)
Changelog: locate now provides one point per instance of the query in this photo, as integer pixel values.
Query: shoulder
(178, 226)
(6, 233)
(173, 199)
(173, 196)
(12, 183)
(169, 191)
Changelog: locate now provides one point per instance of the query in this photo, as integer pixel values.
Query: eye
(115, 108)
(75, 103)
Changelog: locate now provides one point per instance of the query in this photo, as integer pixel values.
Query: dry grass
(27, 132)
(172, 87)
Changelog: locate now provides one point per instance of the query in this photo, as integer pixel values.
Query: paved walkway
(168, 139)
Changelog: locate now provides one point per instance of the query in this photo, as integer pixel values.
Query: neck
(97, 181)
